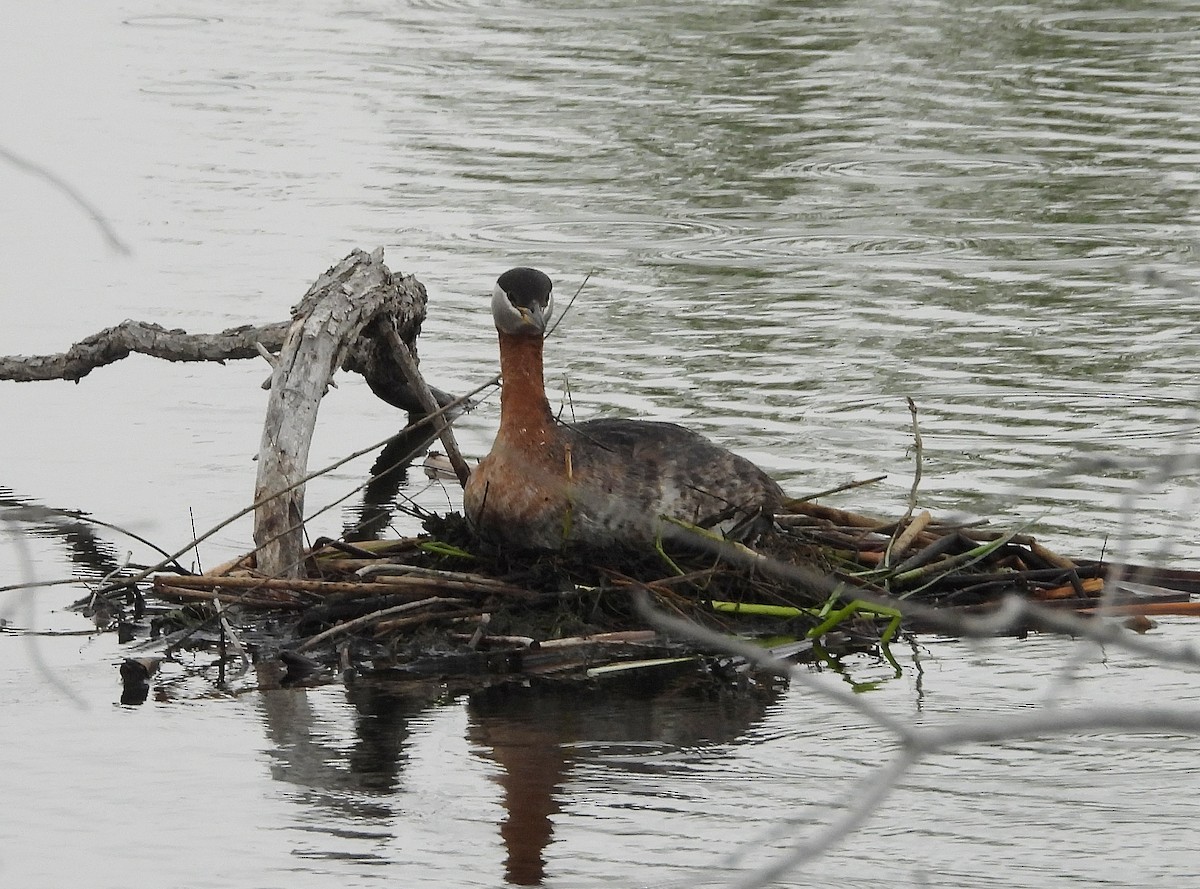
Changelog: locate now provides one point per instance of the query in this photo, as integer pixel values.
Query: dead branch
(375, 361)
(99, 219)
(407, 360)
(367, 619)
(114, 343)
(338, 322)
(387, 585)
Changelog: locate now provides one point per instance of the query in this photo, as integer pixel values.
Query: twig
(371, 618)
(397, 574)
(180, 594)
(383, 586)
(99, 219)
(220, 526)
(34, 584)
(912, 491)
(385, 627)
(839, 489)
(408, 364)
(563, 314)
(836, 516)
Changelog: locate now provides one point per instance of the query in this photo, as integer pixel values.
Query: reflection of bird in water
(601, 482)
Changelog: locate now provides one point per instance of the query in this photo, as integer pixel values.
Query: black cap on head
(525, 286)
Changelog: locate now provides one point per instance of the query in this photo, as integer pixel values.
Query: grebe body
(599, 483)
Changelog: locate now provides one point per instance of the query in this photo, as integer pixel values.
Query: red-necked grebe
(598, 483)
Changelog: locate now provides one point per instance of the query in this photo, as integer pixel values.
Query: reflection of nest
(823, 582)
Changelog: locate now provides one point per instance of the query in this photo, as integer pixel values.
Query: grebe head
(522, 302)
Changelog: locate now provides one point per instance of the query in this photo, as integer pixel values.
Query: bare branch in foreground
(915, 743)
(102, 223)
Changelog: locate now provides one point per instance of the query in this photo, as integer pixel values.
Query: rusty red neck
(523, 404)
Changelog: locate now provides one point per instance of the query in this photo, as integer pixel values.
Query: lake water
(793, 216)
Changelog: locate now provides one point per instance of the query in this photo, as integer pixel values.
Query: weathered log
(343, 320)
(114, 343)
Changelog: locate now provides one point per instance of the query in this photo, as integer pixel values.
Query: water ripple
(929, 166)
(1173, 25)
(194, 88)
(170, 20)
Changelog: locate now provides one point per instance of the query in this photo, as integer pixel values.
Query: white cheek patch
(504, 312)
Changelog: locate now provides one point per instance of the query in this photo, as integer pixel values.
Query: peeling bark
(338, 323)
(114, 343)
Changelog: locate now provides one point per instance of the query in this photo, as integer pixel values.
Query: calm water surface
(793, 216)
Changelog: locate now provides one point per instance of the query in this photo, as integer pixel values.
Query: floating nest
(823, 582)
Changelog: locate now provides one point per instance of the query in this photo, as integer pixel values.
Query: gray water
(793, 216)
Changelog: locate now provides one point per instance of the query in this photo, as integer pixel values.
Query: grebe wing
(670, 470)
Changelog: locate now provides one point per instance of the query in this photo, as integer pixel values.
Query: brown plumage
(598, 483)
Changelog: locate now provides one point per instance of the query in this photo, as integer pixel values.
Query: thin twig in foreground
(98, 218)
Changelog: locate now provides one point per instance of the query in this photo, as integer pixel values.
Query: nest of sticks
(821, 583)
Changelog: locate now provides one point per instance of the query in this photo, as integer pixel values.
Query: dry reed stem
(379, 586)
(180, 594)
(368, 619)
(911, 504)
(904, 540)
(392, 626)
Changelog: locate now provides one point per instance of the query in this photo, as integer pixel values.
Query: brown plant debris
(444, 604)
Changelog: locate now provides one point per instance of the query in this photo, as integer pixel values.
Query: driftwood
(114, 343)
(357, 316)
(342, 302)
